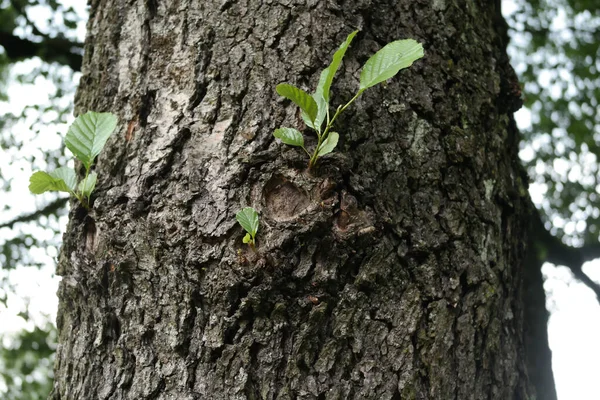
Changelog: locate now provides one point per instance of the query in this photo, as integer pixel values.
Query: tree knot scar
(327, 189)
(350, 219)
(284, 199)
(348, 210)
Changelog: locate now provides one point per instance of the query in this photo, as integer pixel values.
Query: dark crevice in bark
(284, 26)
(156, 393)
(225, 5)
(205, 54)
(152, 7)
(154, 183)
(146, 104)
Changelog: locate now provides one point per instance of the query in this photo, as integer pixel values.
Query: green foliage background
(555, 49)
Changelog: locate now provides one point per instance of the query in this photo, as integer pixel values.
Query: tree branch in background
(23, 13)
(60, 50)
(553, 250)
(50, 209)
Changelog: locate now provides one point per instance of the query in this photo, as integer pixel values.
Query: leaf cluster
(85, 139)
(383, 65)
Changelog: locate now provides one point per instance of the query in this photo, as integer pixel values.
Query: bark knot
(284, 199)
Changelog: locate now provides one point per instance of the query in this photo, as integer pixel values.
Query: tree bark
(392, 271)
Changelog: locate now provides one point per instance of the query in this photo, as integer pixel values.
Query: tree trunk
(392, 271)
(539, 356)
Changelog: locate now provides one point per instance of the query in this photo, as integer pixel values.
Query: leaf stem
(87, 173)
(351, 100)
(325, 134)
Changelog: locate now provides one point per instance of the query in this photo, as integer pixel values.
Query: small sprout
(248, 219)
(86, 138)
(383, 65)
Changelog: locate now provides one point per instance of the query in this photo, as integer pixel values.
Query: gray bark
(393, 271)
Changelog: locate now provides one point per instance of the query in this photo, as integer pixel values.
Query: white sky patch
(574, 329)
(523, 118)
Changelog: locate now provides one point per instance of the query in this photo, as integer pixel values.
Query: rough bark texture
(391, 272)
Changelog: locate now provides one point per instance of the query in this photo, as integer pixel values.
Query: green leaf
(68, 176)
(247, 238)
(302, 99)
(87, 186)
(388, 61)
(289, 136)
(41, 182)
(321, 95)
(329, 144)
(329, 72)
(248, 219)
(88, 135)
(321, 114)
(321, 84)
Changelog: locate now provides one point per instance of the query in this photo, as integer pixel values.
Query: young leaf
(88, 135)
(248, 219)
(68, 176)
(302, 99)
(329, 144)
(289, 136)
(41, 182)
(321, 114)
(330, 71)
(87, 185)
(247, 239)
(321, 84)
(388, 61)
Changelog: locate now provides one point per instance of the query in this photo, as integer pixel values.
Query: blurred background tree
(27, 364)
(554, 50)
(40, 56)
